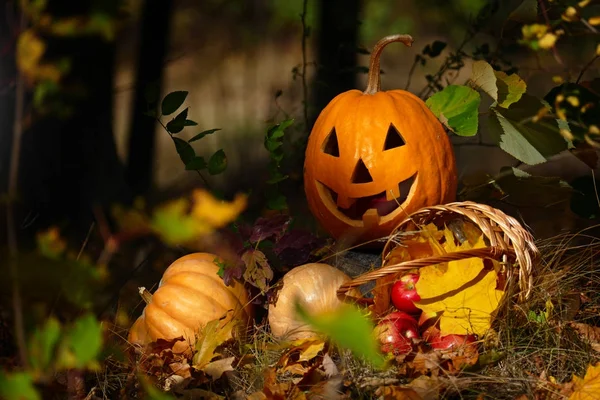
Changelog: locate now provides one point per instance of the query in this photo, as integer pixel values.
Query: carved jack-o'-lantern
(375, 156)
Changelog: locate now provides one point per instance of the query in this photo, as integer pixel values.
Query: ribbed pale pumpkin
(189, 295)
(374, 157)
(315, 285)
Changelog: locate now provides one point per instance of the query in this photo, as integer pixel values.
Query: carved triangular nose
(361, 173)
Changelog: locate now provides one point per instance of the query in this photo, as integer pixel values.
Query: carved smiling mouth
(378, 202)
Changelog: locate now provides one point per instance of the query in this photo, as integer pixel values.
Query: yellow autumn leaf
(30, 50)
(547, 41)
(217, 213)
(588, 387)
(462, 291)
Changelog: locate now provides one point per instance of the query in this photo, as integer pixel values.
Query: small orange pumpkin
(189, 295)
(374, 157)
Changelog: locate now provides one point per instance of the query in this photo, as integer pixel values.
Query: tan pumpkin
(315, 285)
(374, 157)
(189, 295)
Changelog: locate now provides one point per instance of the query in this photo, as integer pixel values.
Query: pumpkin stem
(374, 80)
(146, 295)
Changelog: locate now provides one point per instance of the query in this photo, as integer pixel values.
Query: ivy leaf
(274, 137)
(177, 124)
(18, 386)
(172, 102)
(203, 133)
(516, 133)
(457, 108)
(195, 164)
(349, 328)
(258, 272)
(185, 150)
(217, 163)
(42, 345)
(189, 122)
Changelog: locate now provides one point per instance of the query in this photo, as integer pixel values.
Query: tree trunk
(153, 49)
(337, 56)
(69, 165)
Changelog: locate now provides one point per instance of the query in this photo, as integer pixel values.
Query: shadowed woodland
(136, 133)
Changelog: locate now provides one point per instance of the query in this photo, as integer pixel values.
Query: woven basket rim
(510, 243)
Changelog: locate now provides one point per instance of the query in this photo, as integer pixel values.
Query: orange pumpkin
(374, 157)
(189, 295)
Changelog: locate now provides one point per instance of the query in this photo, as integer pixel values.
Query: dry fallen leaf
(213, 335)
(588, 333)
(216, 368)
(397, 393)
(588, 387)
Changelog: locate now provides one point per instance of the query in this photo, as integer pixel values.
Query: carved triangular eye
(330, 145)
(393, 139)
(361, 173)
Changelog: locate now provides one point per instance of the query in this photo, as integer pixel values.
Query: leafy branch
(217, 163)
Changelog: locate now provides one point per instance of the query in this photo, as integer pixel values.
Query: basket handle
(484, 252)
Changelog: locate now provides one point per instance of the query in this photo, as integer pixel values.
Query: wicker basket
(509, 243)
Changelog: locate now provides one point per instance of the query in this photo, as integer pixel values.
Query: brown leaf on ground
(216, 368)
(397, 393)
(588, 333)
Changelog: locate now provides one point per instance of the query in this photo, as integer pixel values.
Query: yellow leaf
(213, 334)
(547, 41)
(311, 351)
(462, 291)
(594, 20)
(216, 213)
(587, 388)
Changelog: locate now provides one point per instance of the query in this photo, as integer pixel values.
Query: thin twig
(304, 84)
(586, 67)
(545, 14)
(13, 246)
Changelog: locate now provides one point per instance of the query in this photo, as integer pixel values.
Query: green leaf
(197, 163)
(510, 88)
(185, 150)
(516, 133)
(505, 89)
(277, 202)
(203, 133)
(84, 342)
(42, 345)
(349, 328)
(483, 77)
(434, 49)
(172, 102)
(189, 122)
(457, 108)
(177, 124)
(217, 163)
(172, 222)
(18, 386)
